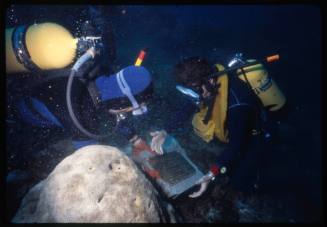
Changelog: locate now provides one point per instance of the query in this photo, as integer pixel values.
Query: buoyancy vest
(268, 98)
(217, 125)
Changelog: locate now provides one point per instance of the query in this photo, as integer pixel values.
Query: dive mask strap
(138, 110)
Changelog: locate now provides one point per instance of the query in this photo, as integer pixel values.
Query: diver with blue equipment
(81, 100)
(44, 107)
(88, 105)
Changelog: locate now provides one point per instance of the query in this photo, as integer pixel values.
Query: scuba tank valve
(268, 59)
(86, 42)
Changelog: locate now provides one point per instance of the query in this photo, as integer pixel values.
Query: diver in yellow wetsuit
(231, 112)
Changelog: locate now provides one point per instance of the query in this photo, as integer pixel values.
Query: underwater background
(292, 191)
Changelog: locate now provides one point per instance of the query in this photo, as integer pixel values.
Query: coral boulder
(95, 184)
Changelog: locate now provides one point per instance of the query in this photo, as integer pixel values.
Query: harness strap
(18, 40)
(238, 103)
(138, 110)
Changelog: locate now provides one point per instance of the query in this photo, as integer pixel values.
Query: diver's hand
(204, 181)
(140, 145)
(158, 138)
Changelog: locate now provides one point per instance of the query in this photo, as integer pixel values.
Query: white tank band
(138, 110)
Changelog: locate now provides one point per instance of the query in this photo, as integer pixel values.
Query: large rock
(95, 184)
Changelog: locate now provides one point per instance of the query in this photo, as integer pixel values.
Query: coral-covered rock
(95, 184)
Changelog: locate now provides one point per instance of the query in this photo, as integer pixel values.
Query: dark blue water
(217, 32)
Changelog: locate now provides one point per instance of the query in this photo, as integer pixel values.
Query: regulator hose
(89, 54)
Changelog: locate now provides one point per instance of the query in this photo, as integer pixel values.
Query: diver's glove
(141, 153)
(158, 138)
(139, 145)
(205, 180)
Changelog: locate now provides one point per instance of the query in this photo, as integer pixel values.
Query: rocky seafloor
(219, 204)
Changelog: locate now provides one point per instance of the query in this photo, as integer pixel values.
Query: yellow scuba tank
(39, 46)
(263, 85)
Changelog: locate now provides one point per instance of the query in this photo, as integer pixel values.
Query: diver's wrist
(134, 139)
(211, 175)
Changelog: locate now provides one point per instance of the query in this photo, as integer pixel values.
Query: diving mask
(189, 93)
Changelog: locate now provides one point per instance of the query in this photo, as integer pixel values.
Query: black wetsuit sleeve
(240, 121)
